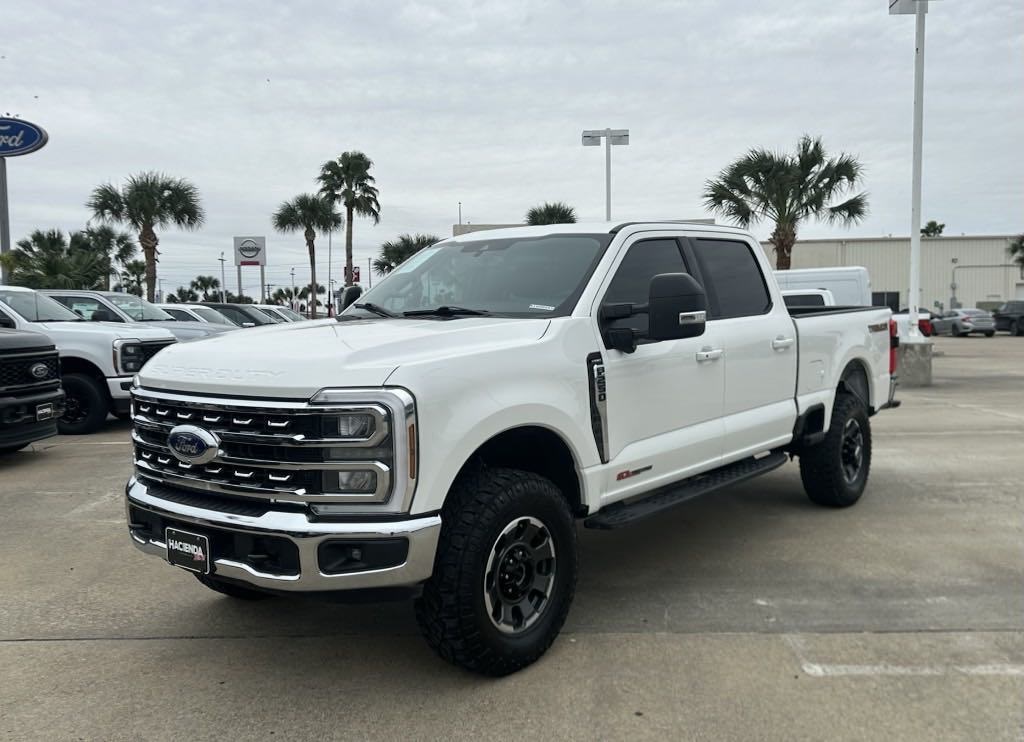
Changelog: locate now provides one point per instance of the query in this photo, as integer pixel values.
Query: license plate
(188, 550)
(44, 411)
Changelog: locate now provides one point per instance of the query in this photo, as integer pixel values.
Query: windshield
(138, 309)
(512, 277)
(212, 316)
(975, 312)
(36, 307)
(292, 315)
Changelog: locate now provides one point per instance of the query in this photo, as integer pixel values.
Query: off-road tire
(821, 465)
(232, 590)
(85, 396)
(452, 612)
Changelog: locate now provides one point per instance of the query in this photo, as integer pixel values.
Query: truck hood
(297, 360)
(112, 330)
(186, 330)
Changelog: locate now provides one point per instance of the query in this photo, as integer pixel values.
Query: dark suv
(31, 400)
(1010, 317)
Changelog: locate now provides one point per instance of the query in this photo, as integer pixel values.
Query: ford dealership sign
(19, 137)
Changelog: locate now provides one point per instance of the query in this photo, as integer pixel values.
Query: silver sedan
(962, 322)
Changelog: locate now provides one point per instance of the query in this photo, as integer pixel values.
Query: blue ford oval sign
(19, 137)
(192, 444)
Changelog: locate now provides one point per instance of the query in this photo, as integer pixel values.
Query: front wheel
(505, 572)
(990, 333)
(1016, 328)
(85, 405)
(835, 472)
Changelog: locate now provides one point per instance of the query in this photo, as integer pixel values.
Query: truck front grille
(16, 371)
(283, 453)
(151, 348)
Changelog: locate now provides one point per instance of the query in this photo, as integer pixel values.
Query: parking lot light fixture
(592, 138)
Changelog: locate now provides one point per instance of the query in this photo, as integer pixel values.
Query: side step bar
(626, 513)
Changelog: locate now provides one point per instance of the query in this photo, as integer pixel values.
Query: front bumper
(18, 417)
(291, 529)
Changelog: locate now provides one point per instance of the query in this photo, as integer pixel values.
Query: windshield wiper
(370, 307)
(446, 311)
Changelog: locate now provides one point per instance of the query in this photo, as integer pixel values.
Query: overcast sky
(484, 102)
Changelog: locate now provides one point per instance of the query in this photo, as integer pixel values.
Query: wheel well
(855, 381)
(74, 365)
(537, 450)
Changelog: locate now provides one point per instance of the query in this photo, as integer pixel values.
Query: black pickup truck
(31, 400)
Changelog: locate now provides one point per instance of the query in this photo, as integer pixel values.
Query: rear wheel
(1015, 327)
(505, 572)
(835, 472)
(85, 406)
(990, 333)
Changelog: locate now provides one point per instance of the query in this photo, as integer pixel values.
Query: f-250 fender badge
(598, 386)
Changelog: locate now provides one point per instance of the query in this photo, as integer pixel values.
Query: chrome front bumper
(422, 534)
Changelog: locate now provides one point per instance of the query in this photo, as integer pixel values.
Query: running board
(627, 513)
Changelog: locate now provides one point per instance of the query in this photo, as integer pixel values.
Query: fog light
(355, 426)
(360, 481)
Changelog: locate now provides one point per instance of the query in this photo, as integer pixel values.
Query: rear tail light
(926, 327)
(894, 343)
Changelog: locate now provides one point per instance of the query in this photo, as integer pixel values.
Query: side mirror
(677, 307)
(7, 322)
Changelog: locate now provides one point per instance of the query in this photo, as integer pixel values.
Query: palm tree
(347, 181)
(932, 229)
(116, 247)
(132, 276)
(284, 296)
(46, 260)
(305, 294)
(183, 295)
(1016, 251)
(308, 213)
(554, 212)
(209, 285)
(395, 252)
(788, 189)
(147, 201)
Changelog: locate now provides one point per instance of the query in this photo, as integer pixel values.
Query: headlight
(356, 426)
(128, 356)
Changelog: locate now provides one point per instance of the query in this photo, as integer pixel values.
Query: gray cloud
(483, 102)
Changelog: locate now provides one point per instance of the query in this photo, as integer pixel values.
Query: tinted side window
(632, 280)
(732, 279)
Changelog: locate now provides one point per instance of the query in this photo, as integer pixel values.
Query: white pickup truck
(97, 359)
(443, 436)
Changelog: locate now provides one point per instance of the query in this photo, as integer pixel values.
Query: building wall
(888, 263)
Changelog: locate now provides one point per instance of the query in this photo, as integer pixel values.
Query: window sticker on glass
(542, 307)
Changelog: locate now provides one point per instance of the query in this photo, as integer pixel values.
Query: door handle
(781, 343)
(709, 354)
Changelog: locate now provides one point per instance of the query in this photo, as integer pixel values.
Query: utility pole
(592, 138)
(330, 233)
(295, 295)
(369, 261)
(460, 212)
(223, 281)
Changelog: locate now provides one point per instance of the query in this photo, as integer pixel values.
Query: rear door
(758, 338)
(662, 404)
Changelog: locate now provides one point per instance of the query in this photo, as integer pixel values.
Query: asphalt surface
(748, 615)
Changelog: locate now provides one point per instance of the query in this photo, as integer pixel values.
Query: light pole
(223, 281)
(917, 8)
(592, 138)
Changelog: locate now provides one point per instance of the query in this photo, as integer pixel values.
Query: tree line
(784, 189)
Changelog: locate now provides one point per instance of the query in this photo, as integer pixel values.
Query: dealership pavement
(748, 615)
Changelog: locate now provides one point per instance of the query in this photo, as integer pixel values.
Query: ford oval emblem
(39, 371)
(193, 445)
(19, 137)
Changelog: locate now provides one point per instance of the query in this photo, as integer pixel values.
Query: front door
(663, 402)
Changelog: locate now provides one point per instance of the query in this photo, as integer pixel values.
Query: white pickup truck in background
(444, 434)
(98, 359)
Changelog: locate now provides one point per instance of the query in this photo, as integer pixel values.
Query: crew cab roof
(594, 228)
